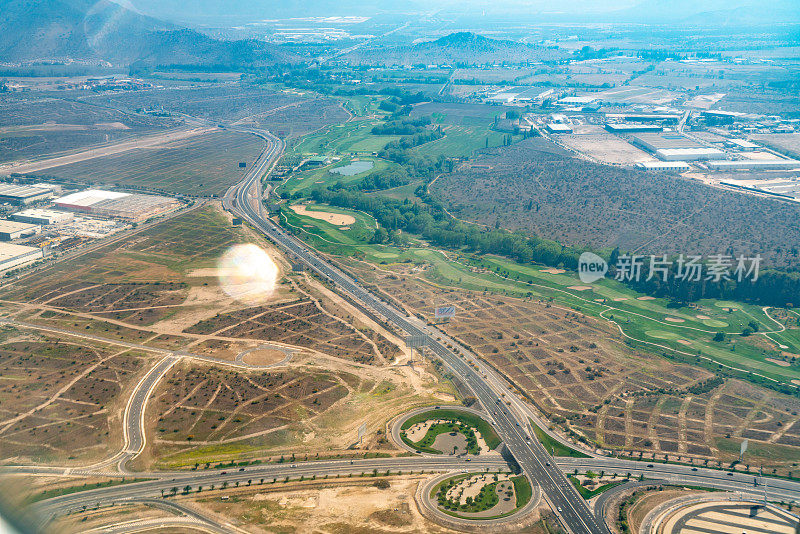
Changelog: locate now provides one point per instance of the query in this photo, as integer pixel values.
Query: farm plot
(303, 322)
(576, 370)
(299, 119)
(204, 414)
(204, 166)
(32, 127)
(222, 102)
(38, 421)
(212, 405)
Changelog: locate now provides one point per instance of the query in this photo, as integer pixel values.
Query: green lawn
(556, 448)
(467, 418)
(588, 494)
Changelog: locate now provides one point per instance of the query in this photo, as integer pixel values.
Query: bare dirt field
(605, 147)
(345, 505)
(577, 370)
(59, 398)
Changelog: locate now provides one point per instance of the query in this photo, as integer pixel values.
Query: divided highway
(244, 199)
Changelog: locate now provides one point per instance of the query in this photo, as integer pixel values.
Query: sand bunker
(703, 317)
(674, 320)
(339, 219)
(645, 298)
(796, 382)
(620, 299)
(579, 288)
(777, 362)
(684, 342)
(553, 271)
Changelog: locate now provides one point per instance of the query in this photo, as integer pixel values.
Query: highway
(244, 199)
(205, 478)
(507, 413)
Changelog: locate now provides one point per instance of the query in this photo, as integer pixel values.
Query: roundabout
(449, 430)
(479, 499)
(468, 499)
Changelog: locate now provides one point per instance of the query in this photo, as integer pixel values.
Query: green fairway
(322, 176)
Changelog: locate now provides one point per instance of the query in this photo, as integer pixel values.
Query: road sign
(362, 430)
(415, 342)
(445, 312)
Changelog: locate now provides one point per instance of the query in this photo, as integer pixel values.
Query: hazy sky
(629, 10)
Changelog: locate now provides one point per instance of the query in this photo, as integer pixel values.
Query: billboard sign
(445, 312)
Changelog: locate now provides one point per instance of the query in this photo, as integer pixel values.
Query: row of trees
(402, 126)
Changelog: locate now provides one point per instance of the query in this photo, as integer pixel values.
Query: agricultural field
(535, 187)
(580, 372)
(61, 398)
(303, 322)
(209, 101)
(297, 120)
(314, 405)
(205, 165)
(32, 127)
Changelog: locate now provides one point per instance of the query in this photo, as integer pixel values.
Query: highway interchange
(508, 414)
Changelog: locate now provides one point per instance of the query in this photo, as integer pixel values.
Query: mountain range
(455, 48)
(104, 31)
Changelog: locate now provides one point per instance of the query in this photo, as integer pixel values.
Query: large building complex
(116, 205)
(15, 255)
(15, 230)
(43, 216)
(754, 164)
(675, 147)
(23, 194)
(663, 165)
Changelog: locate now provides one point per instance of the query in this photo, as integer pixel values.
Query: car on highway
(650, 466)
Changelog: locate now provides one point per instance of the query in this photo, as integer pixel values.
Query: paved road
(244, 199)
(153, 488)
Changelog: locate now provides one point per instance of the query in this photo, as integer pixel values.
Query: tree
(719, 337)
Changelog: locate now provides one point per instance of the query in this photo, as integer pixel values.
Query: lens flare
(247, 274)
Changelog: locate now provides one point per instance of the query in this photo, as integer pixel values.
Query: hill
(462, 48)
(89, 31)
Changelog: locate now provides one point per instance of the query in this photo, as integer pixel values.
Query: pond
(356, 167)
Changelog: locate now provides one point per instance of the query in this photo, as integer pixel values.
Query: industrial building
(559, 128)
(744, 145)
(754, 164)
(15, 230)
(629, 127)
(42, 216)
(663, 166)
(23, 194)
(675, 147)
(16, 255)
(664, 118)
(116, 205)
